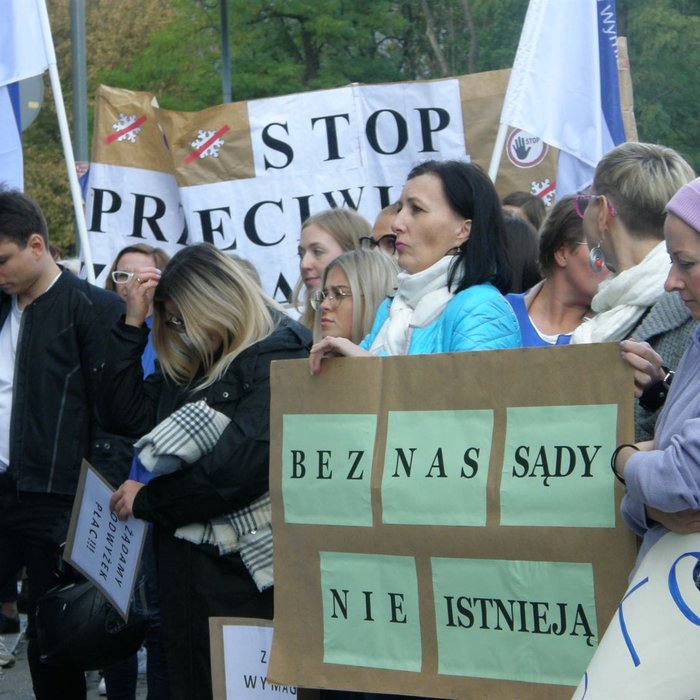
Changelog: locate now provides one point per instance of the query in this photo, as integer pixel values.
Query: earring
(596, 259)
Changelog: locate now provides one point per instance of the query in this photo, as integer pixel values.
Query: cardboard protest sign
(651, 647)
(448, 525)
(240, 654)
(104, 549)
(244, 176)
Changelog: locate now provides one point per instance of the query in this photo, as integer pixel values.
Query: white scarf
(622, 300)
(419, 300)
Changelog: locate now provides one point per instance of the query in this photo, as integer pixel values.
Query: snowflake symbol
(544, 190)
(212, 149)
(124, 123)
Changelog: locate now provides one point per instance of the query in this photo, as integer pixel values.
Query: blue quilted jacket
(478, 318)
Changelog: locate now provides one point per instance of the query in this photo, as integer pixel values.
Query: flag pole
(76, 194)
(497, 152)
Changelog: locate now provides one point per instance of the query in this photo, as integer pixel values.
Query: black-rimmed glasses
(386, 243)
(335, 295)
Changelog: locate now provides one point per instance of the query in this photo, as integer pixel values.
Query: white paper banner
(651, 649)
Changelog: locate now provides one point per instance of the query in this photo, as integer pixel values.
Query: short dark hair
(20, 217)
(562, 227)
(471, 194)
(533, 207)
(523, 249)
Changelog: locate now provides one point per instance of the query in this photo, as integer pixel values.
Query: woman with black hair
(450, 243)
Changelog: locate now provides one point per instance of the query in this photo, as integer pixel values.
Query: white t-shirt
(8, 348)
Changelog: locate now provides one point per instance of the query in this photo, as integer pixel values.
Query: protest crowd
(162, 381)
(159, 387)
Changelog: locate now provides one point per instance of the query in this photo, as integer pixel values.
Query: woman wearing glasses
(551, 310)
(354, 285)
(120, 680)
(324, 236)
(451, 250)
(383, 238)
(623, 220)
(207, 411)
(128, 262)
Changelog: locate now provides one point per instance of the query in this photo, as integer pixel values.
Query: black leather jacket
(61, 345)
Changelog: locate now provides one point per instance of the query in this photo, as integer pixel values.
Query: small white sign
(240, 654)
(104, 549)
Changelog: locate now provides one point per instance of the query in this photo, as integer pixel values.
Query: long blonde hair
(371, 278)
(346, 227)
(223, 311)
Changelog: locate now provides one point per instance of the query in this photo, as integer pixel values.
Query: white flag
(10, 142)
(564, 86)
(24, 48)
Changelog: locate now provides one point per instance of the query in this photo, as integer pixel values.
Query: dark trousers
(32, 526)
(195, 583)
(121, 679)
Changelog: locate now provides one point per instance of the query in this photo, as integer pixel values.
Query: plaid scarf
(180, 440)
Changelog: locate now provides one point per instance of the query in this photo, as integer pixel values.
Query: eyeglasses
(177, 324)
(121, 276)
(581, 202)
(335, 295)
(387, 243)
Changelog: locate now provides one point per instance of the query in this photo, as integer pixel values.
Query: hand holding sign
(105, 548)
(122, 500)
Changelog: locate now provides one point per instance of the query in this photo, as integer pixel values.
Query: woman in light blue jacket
(450, 243)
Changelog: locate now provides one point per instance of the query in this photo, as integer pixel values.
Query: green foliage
(664, 48)
(172, 48)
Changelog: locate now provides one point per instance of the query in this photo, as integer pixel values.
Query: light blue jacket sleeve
(379, 318)
(478, 318)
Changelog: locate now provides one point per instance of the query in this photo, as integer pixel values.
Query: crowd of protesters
(185, 345)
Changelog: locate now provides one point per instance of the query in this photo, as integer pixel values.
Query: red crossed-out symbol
(203, 147)
(125, 130)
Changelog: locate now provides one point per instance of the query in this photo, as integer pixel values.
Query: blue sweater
(478, 318)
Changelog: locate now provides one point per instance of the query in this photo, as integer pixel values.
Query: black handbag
(78, 627)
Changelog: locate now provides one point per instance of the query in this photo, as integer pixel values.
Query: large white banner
(244, 176)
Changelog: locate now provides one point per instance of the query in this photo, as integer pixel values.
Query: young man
(53, 328)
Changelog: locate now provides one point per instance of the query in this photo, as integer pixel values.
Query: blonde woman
(215, 333)
(623, 220)
(324, 236)
(354, 286)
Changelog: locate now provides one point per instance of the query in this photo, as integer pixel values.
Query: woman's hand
(626, 452)
(645, 362)
(333, 347)
(122, 501)
(139, 295)
(685, 522)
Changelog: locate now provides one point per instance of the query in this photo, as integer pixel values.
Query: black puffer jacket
(236, 471)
